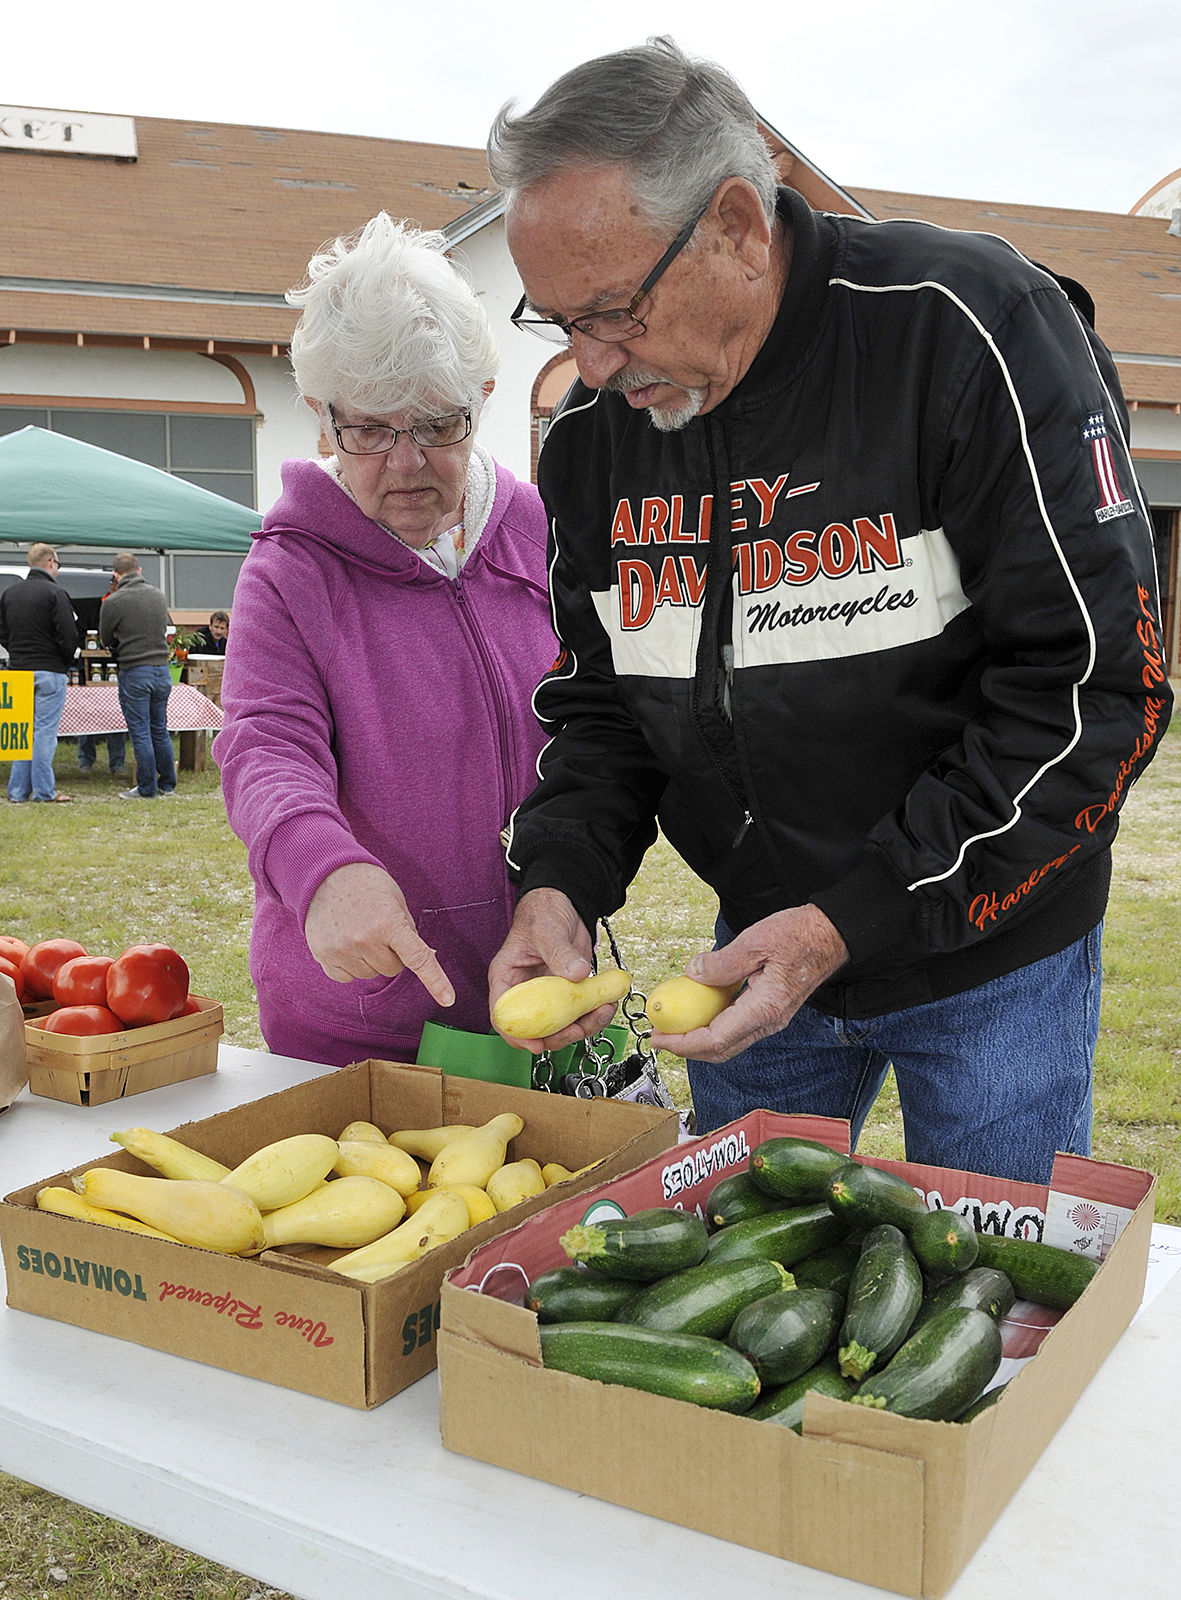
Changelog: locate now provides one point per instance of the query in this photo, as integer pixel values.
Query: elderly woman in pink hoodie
(390, 624)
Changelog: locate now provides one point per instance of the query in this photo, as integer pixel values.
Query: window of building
(215, 453)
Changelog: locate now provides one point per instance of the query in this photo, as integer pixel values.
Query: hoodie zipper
(492, 676)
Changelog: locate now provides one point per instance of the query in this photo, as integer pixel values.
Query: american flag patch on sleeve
(1112, 501)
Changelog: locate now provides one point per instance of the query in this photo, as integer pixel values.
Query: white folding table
(322, 1501)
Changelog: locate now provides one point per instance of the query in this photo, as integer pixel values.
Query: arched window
(550, 385)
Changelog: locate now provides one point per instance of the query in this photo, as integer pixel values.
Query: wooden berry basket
(90, 1071)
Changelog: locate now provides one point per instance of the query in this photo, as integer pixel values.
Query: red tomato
(40, 963)
(148, 983)
(81, 1020)
(82, 981)
(12, 948)
(189, 1009)
(10, 969)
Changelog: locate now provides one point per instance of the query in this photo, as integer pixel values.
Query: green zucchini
(734, 1198)
(865, 1196)
(979, 1289)
(785, 1405)
(884, 1296)
(703, 1299)
(643, 1247)
(786, 1235)
(831, 1268)
(939, 1370)
(680, 1366)
(943, 1242)
(1043, 1273)
(794, 1169)
(786, 1333)
(985, 1401)
(572, 1294)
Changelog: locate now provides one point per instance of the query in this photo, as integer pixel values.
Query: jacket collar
(813, 250)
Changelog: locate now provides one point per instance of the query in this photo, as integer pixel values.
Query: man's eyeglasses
(620, 322)
(374, 439)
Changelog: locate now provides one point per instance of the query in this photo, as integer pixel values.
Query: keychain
(636, 1077)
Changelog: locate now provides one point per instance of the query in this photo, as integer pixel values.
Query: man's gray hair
(389, 324)
(679, 124)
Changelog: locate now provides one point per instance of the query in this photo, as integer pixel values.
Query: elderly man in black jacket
(40, 631)
(855, 594)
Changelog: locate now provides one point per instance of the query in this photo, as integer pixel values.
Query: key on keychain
(615, 1077)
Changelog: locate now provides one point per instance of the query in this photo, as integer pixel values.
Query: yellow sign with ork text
(16, 716)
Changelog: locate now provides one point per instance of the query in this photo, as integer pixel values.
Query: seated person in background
(390, 625)
(211, 639)
(116, 744)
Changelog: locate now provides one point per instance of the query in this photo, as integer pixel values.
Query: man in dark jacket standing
(133, 624)
(40, 631)
(856, 595)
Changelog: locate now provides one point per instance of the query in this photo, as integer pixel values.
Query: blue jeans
(143, 699)
(88, 750)
(34, 779)
(993, 1080)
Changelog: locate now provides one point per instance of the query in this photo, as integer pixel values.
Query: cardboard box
(205, 673)
(867, 1495)
(91, 1071)
(285, 1316)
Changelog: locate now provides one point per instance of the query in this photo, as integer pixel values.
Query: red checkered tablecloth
(94, 708)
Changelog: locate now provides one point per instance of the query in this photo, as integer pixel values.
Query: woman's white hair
(389, 324)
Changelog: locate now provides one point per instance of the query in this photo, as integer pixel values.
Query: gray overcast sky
(1047, 102)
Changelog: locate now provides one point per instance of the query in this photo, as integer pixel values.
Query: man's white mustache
(622, 382)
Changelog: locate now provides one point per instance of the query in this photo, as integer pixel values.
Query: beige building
(144, 263)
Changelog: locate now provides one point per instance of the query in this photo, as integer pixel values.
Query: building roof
(1130, 265)
(196, 240)
(202, 233)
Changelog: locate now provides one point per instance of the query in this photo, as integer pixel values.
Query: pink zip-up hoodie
(377, 711)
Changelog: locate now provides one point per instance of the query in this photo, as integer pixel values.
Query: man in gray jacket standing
(133, 624)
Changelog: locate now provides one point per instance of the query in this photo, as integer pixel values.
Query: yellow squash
(443, 1216)
(425, 1143)
(479, 1206)
(361, 1130)
(514, 1182)
(365, 1158)
(347, 1212)
(678, 1005)
(475, 1156)
(540, 1007)
(283, 1172)
(195, 1211)
(67, 1203)
(167, 1155)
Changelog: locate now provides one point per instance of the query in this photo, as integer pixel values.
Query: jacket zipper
(493, 677)
(712, 726)
(747, 822)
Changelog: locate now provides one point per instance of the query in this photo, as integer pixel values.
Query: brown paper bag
(14, 1068)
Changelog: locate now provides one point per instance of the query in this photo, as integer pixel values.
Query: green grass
(51, 1547)
(112, 873)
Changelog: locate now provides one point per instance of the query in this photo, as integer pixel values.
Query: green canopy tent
(64, 491)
